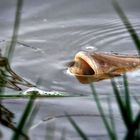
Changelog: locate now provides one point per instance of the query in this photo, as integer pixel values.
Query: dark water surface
(51, 33)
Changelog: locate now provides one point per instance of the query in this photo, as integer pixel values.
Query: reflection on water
(51, 33)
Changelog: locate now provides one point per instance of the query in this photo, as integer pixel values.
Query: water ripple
(105, 33)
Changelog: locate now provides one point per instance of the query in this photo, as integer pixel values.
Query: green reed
(131, 122)
(24, 118)
(29, 113)
(127, 24)
(11, 47)
(77, 128)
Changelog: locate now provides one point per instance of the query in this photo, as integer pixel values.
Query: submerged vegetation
(131, 121)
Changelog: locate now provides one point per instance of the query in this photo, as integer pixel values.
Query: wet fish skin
(95, 66)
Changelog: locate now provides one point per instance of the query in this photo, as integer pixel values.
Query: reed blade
(10, 48)
(112, 121)
(121, 105)
(77, 128)
(111, 134)
(127, 24)
(25, 116)
(127, 98)
(134, 127)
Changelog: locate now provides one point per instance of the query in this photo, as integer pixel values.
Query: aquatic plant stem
(127, 98)
(112, 121)
(127, 24)
(132, 130)
(111, 134)
(79, 131)
(10, 48)
(24, 117)
(121, 105)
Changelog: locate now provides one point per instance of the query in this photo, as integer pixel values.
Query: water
(51, 33)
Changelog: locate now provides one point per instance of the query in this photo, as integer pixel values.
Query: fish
(93, 66)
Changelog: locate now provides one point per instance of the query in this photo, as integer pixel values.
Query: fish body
(94, 66)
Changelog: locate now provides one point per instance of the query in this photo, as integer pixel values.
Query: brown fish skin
(94, 66)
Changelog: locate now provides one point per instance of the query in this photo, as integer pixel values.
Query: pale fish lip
(85, 56)
(88, 59)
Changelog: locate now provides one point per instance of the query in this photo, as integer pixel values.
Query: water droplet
(89, 48)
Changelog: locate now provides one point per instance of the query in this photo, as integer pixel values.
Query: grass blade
(112, 118)
(122, 107)
(127, 98)
(10, 48)
(24, 117)
(127, 24)
(80, 132)
(31, 119)
(135, 125)
(109, 130)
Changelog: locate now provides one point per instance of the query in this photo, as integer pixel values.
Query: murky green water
(51, 33)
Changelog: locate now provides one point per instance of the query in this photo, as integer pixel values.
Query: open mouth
(81, 67)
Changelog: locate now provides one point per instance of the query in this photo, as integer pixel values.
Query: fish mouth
(83, 65)
(84, 68)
